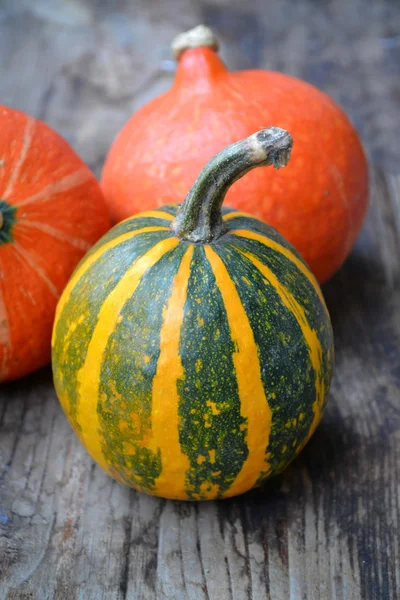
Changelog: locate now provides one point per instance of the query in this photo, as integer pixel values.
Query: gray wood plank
(328, 528)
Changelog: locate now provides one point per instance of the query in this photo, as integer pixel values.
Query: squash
(318, 204)
(192, 347)
(51, 212)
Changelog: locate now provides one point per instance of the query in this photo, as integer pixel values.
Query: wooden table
(328, 528)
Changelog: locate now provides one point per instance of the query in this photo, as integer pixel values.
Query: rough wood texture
(328, 528)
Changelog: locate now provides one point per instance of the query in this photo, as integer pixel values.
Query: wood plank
(326, 529)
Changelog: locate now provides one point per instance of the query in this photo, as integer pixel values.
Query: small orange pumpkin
(51, 212)
(318, 203)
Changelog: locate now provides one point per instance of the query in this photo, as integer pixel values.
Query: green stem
(7, 221)
(199, 218)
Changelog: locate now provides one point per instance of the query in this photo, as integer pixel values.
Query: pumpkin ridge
(338, 179)
(129, 418)
(27, 140)
(287, 374)
(310, 335)
(234, 214)
(254, 406)
(256, 225)
(90, 259)
(78, 309)
(65, 184)
(174, 462)
(150, 214)
(251, 235)
(213, 432)
(73, 241)
(88, 376)
(32, 263)
(131, 225)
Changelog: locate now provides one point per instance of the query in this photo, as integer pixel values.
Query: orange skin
(60, 213)
(318, 202)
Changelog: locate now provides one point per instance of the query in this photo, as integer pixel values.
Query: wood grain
(328, 528)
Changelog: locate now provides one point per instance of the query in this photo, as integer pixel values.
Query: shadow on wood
(360, 287)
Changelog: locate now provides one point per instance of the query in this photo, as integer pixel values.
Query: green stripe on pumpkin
(302, 290)
(130, 362)
(253, 224)
(172, 209)
(72, 333)
(226, 210)
(286, 370)
(132, 224)
(212, 429)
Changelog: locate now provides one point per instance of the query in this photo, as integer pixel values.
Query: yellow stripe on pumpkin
(239, 213)
(85, 266)
(149, 214)
(89, 375)
(258, 237)
(310, 335)
(165, 398)
(253, 402)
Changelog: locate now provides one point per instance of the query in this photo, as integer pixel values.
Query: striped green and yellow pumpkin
(192, 347)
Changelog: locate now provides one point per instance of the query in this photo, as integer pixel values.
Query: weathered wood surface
(328, 528)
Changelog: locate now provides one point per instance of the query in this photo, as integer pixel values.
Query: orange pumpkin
(318, 203)
(51, 212)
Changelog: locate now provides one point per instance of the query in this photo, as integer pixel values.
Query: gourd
(51, 212)
(192, 348)
(318, 204)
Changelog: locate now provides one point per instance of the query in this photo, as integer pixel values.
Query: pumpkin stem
(198, 37)
(7, 221)
(199, 218)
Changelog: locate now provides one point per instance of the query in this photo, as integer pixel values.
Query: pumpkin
(192, 347)
(51, 212)
(318, 204)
